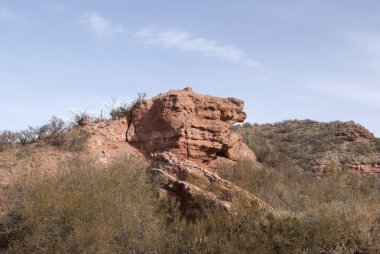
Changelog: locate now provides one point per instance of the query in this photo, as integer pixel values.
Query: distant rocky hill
(314, 145)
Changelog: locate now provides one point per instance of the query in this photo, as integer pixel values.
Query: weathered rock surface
(352, 132)
(187, 181)
(188, 134)
(106, 141)
(188, 124)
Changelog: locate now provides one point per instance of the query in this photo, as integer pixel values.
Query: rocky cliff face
(188, 124)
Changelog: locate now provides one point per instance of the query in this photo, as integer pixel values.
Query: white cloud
(5, 13)
(101, 26)
(169, 38)
(182, 40)
(363, 94)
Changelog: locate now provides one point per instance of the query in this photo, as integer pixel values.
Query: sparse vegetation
(305, 143)
(81, 118)
(7, 139)
(124, 108)
(52, 133)
(86, 208)
(377, 144)
(55, 133)
(77, 140)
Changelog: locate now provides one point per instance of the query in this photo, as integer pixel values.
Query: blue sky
(291, 59)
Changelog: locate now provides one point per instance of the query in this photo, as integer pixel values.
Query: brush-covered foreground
(84, 208)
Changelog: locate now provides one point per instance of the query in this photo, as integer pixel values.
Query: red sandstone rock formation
(187, 180)
(185, 132)
(188, 124)
(106, 141)
(352, 132)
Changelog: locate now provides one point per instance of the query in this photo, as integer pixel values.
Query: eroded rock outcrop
(352, 132)
(188, 124)
(187, 180)
(187, 134)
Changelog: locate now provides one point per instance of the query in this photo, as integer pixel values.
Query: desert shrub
(52, 133)
(7, 139)
(124, 108)
(77, 139)
(333, 228)
(377, 144)
(81, 118)
(359, 149)
(335, 213)
(332, 163)
(87, 209)
(84, 209)
(292, 188)
(27, 136)
(304, 142)
(264, 151)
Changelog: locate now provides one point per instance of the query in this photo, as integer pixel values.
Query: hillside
(315, 146)
(174, 174)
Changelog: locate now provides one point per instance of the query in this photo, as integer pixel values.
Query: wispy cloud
(5, 13)
(182, 40)
(169, 38)
(101, 26)
(363, 94)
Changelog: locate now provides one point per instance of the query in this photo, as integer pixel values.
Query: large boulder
(188, 137)
(188, 124)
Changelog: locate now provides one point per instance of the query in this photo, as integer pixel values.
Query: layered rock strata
(187, 181)
(187, 134)
(188, 124)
